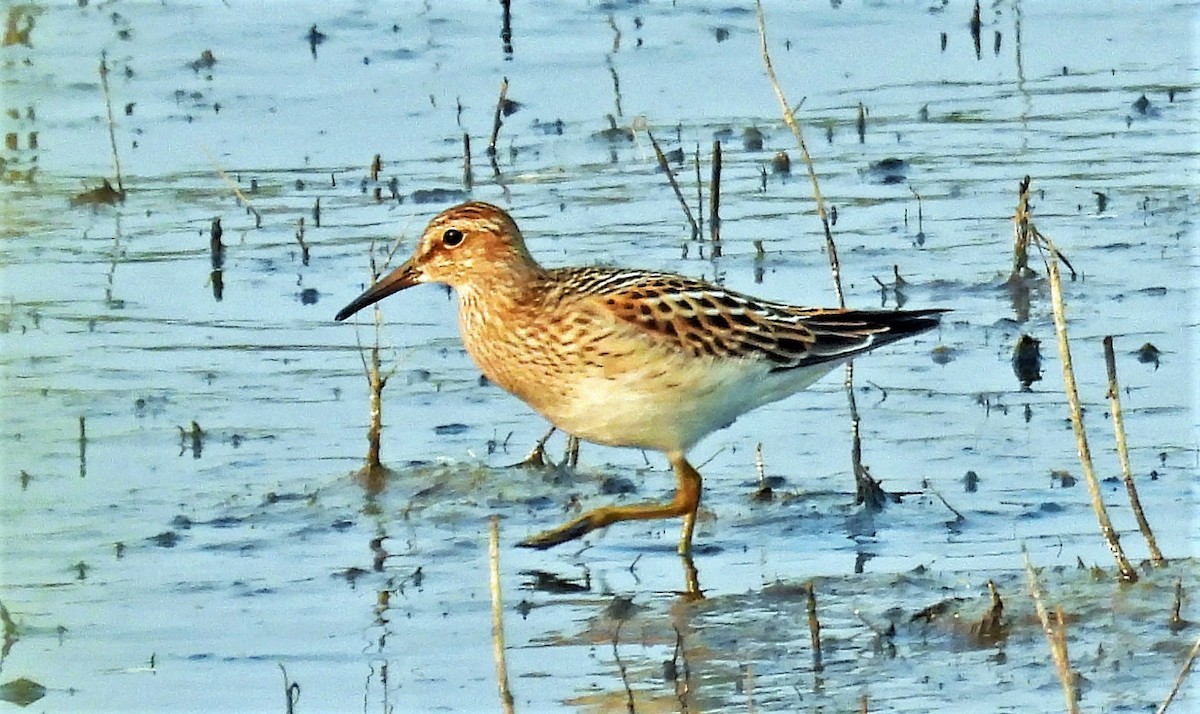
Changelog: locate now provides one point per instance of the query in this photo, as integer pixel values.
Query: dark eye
(452, 237)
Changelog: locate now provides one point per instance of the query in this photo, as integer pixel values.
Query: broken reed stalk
(1020, 268)
(506, 697)
(506, 27)
(714, 200)
(1025, 225)
(1118, 420)
(497, 119)
(1179, 679)
(112, 135)
(666, 167)
(377, 382)
(373, 471)
(237, 192)
(1056, 636)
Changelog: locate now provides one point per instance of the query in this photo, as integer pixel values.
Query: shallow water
(144, 570)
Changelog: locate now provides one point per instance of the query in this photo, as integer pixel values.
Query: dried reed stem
(506, 697)
(1025, 225)
(666, 167)
(789, 118)
(468, 177)
(506, 28)
(1118, 419)
(867, 488)
(373, 473)
(1183, 674)
(1126, 571)
(112, 136)
(1056, 636)
(497, 120)
(699, 194)
(714, 200)
(237, 192)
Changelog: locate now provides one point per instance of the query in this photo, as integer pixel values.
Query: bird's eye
(452, 237)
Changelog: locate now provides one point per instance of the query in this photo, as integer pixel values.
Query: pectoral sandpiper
(628, 357)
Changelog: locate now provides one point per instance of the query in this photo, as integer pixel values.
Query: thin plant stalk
(789, 118)
(666, 167)
(1118, 419)
(1028, 233)
(1056, 636)
(814, 626)
(112, 136)
(1179, 679)
(506, 696)
(1125, 570)
(714, 200)
(497, 120)
(868, 491)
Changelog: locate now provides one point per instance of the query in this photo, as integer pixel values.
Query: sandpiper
(628, 357)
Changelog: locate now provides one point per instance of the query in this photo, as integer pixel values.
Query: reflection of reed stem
(1118, 419)
(629, 705)
(814, 626)
(82, 447)
(1056, 635)
(506, 697)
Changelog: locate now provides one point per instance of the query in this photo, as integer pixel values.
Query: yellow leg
(685, 504)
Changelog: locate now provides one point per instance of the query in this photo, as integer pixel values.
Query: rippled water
(150, 565)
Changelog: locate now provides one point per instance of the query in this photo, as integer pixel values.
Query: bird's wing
(707, 320)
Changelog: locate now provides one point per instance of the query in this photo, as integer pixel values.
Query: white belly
(672, 409)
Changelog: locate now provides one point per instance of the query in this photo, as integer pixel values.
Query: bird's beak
(405, 276)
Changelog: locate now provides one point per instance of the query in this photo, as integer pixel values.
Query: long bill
(403, 277)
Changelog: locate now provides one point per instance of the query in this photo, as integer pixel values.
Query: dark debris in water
(1027, 361)
(1149, 354)
(102, 195)
(451, 429)
(438, 195)
(888, 171)
(166, 539)
(21, 691)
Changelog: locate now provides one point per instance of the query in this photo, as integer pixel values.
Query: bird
(627, 357)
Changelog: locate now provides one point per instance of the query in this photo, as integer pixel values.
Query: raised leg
(685, 504)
